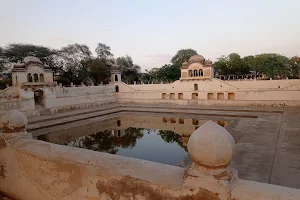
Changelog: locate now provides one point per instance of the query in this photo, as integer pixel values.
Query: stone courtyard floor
(267, 139)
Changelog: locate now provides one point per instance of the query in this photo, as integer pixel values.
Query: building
(197, 68)
(31, 73)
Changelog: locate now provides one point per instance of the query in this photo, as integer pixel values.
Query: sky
(152, 31)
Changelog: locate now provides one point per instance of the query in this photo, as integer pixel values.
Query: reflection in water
(171, 137)
(106, 141)
(156, 139)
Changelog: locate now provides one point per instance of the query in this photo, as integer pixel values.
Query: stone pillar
(72, 85)
(82, 84)
(60, 85)
(211, 148)
(134, 82)
(101, 83)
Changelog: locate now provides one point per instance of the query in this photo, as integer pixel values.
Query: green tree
(273, 65)
(103, 52)
(2, 59)
(168, 73)
(182, 56)
(294, 67)
(98, 71)
(17, 52)
(72, 57)
(231, 64)
(130, 71)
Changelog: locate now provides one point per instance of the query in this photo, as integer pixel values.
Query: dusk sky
(152, 31)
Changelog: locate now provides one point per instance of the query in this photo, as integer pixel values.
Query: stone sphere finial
(211, 146)
(13, 121)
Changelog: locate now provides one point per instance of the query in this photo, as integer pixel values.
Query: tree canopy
(17, 52)
(130, 71)
(182, 56)
(76, 63)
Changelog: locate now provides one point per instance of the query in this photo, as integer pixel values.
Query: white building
(32, 72)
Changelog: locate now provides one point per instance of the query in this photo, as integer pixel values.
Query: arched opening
(195, 72)
(195, 121)
(164, 96)
(119, 123)
(195, 86)
(181, 121)
(194, 95)
(116, 78)
(231, 96)
(180, 95)
(210, 96)
(220, 96)
(39, 97)
(29, 78)
(117, 88)
(190, 73)
(36, 78)
(172, 95)
(200, 72)
(42, 78)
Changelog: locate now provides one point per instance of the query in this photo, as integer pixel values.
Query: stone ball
(211, 146)
(13, 121)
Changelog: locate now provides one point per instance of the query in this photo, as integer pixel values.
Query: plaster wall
(40, 170)
(244, 93)
(22, 77)
(48, 76)
(15, 98)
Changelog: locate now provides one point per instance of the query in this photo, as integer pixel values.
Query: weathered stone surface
(13, 121)
(211, 146)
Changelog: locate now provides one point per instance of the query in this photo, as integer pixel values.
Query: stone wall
(279, 93)
(63, 99)
(34, 170)
(57, 99)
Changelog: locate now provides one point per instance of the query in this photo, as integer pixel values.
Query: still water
(158, 139)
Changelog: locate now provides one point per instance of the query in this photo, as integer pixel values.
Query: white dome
(211, 145)
(31, 59)
(196, 59)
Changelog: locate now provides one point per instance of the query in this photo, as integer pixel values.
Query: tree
(168, 73)
(17, 52)
(182, 56)
(251, 64)
(231, 64)
(98, 71)
(130, 71)
(72, 57)
(273, 65)
(171, 137)
(294, 67)
(2, 59)
(103, 52)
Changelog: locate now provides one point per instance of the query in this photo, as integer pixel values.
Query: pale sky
(152, 31)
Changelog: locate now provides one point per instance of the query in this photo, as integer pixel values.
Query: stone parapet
(34, 170)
